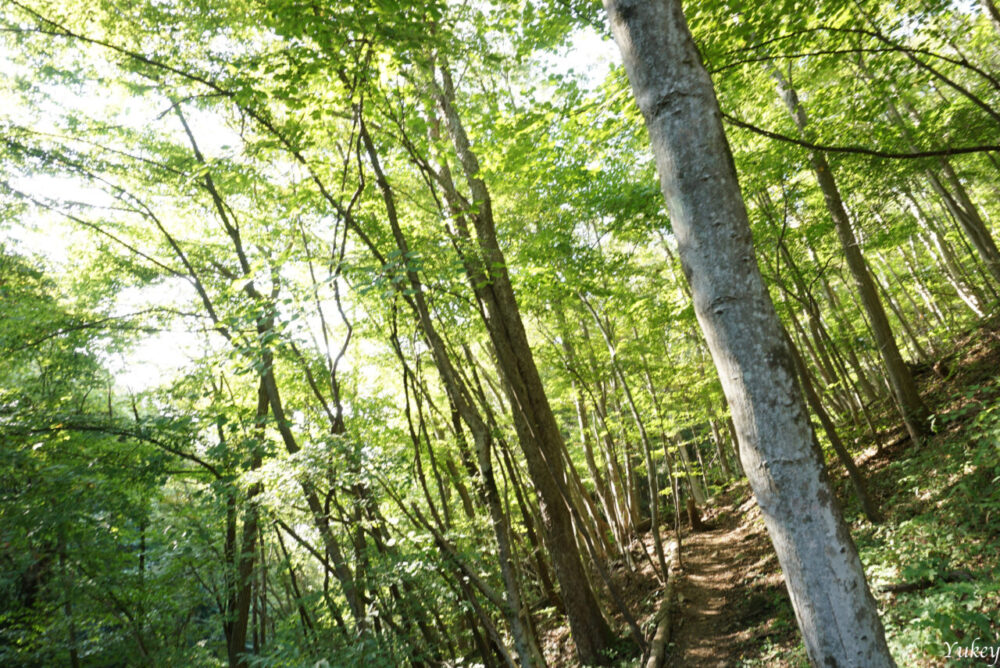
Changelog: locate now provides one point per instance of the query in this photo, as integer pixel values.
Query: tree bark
(834, 607)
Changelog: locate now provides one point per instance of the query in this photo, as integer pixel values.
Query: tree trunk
(308, 628)
(689, 476)
(720, 452)
(242, 596)
(928, 300)
(72, 641)
(938, 248)
(904, 388)
(536, 426)
(734, 438)
(833, 606)
(857, 479)
(919, 353)
(845, 326)
(990, 8)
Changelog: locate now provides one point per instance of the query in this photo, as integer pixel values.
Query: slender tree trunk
(616, 480)
(72, 641)
(923, 320)
(244, 564)
(534, 544)
(689, 476)
(701, 465)
(860, 371)
(675, 492)
(835, 399)
(734, 438)
(727, 473)
(920, 354)
(930, 304)
(816, 324)
(308, 629)
(463, 491)
(833, 370)
(939, 248)
(536, 426)
(857, 479)
(629, 489)
(904, 388)
(622, 519)
(835, 610)
(972, 223)
(647, 446)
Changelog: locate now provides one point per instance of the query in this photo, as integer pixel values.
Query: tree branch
(859, 150)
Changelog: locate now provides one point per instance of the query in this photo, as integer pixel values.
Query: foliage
(220, 220)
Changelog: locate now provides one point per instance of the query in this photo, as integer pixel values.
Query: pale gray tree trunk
(833, 606)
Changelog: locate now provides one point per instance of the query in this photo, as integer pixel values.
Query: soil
(731, 599)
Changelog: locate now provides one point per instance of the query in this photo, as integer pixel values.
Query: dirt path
(730, 595)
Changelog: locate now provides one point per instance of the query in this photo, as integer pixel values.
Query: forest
(499, 333)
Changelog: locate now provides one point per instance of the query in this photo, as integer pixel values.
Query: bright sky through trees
(388, 333)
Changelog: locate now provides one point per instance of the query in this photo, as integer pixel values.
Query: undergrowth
(939, 541)
(942, 532)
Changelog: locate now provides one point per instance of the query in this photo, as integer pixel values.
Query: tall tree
(537, 429)
(904, 388)
(833, 605)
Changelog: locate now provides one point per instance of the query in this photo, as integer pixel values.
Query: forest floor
(933, 564)
(730, 598)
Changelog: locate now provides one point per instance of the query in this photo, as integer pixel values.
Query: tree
(904, 388)
(835, 610)
(431, 361)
